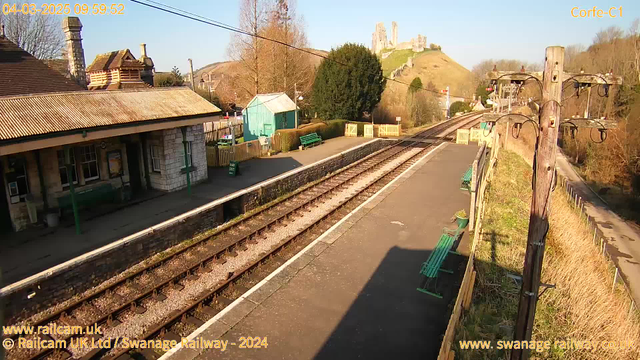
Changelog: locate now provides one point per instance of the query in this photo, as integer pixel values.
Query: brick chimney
(149, 69)
(72, 27)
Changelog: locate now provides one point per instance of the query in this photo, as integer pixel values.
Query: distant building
(266, 113)
(121, 70)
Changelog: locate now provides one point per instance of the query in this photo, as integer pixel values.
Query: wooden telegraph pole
(544, 170)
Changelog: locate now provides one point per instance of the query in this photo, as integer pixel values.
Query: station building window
(89, 162)
(64, 179)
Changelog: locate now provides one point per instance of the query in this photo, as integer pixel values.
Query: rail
(237, 236)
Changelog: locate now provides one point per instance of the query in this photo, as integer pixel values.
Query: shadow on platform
(390, 318)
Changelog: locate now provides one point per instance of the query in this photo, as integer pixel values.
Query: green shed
(267, 113)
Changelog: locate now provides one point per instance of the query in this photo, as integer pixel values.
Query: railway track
(171, 297)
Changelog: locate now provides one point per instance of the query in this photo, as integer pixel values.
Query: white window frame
(72, 155)
(155, 158)
(93, 158)
(189, 153)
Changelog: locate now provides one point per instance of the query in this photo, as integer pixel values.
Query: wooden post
(544, 168)
(74, 205)
(506, 135)
(469, 293)
(473, 184)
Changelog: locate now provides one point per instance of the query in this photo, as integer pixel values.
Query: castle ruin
(379, 40)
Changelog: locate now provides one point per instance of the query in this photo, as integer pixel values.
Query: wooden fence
(599, 239)
(221, 156)
(482, 171)
(215, 131)
(388, 130)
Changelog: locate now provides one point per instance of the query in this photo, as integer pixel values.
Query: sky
(468, 31)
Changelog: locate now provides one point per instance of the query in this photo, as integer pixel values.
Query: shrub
(347, 92)
(289, 139)
(458, 106)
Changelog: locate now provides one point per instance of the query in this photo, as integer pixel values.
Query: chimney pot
(143, 50)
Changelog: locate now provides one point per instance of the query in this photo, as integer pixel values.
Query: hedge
(289, 139)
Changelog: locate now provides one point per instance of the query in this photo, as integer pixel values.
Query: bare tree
(245, 48)
(634, 37)
(288, 66)
(271, 66)
(39, 35)
(571, 54)
(607, 35)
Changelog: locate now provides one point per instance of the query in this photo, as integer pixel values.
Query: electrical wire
(205, 20)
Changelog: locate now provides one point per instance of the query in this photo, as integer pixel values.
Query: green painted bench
(433, 266)
(466, 179)
(88, 197)
(310, 140)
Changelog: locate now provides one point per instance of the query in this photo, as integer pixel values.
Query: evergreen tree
(348, 84)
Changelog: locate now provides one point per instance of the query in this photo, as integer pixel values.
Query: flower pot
(462, 221)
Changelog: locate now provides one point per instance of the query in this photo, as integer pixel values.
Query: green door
(267, 129)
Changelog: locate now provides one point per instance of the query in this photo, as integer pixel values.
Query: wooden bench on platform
(466, 179)
(87, 197)
(310, 140)
(433, 266)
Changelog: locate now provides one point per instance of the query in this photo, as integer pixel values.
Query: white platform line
(244, 296)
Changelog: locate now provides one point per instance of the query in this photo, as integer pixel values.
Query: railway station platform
(29, 252)
(352, 292)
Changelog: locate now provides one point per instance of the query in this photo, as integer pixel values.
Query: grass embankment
(582, 307)
(396, 59)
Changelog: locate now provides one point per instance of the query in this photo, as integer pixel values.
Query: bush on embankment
(289, 139)
(582, 307)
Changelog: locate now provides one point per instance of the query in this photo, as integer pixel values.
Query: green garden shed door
(268, 129)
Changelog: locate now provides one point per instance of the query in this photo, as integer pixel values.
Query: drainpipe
(67, 163)
(186, 158)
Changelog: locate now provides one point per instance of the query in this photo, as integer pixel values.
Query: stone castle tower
(394, 35)
(379, 40)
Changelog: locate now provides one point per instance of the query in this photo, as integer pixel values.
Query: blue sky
(468, 31)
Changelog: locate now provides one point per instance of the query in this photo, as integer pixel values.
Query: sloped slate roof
(114, 60)
(21, 73)
(276, 102)
(24, 116)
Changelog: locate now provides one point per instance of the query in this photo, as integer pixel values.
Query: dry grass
(582, 307)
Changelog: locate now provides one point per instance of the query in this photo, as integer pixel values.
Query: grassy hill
(396, 59)
(430, 66)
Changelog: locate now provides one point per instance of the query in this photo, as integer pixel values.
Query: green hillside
(396, 59)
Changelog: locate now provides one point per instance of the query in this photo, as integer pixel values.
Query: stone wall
(171, 176)
(77, 275)
(397, 72)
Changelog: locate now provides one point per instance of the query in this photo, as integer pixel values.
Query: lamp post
(296, 98)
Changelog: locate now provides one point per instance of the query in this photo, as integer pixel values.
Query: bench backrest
(85, 196)
(311, 136)
(437, 256)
